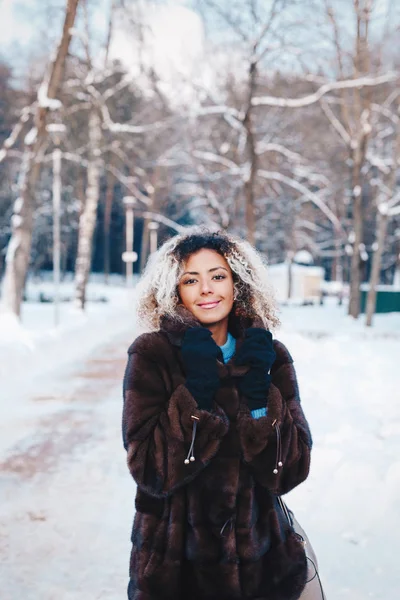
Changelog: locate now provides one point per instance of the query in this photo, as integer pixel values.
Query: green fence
(387, 299)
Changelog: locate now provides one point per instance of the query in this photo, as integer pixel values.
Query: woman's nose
(206, 287)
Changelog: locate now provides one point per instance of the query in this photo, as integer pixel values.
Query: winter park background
(122, 121)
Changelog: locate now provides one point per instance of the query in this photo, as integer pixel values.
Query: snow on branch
(233, 122)
(315, 227)
(263, 147)
(384, 165)
(275, 175)
(12, 138)
(31, 137)
(314, 178)
(125, 81)
(109, 124)
(161, 219)
(215, 158)
(386, 113)
(299, 167)
(392, 96)
(216, 204)
(324, 89)
(334, 121)
(73, 157)
(129, 183)
(394, 211)
(392, 204)
(77, 107)
(44, 101)
(218, 110)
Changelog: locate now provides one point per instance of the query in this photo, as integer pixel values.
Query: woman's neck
(219, 331)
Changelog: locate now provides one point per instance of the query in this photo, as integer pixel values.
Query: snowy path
(66, 497)
(67, 500)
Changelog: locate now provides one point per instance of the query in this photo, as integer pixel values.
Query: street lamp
(129, 256)
(153, 228)
(57, 132)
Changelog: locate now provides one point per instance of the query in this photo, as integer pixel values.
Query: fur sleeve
(285, 425)
(157, 429)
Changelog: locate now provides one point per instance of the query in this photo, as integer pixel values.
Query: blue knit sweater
(228, 350)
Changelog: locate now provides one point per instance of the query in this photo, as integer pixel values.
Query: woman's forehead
(204, 260)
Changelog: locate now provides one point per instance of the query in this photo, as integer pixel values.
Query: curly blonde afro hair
(157, 291)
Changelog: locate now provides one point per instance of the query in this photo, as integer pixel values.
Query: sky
(174, 44)
(176, 41)
(20, 19)
(14, 23)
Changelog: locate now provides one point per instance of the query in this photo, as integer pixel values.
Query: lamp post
(129, 256)
(153, 228)
(56, 131)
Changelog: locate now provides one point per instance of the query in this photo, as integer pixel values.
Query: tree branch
(324, 89)
(334, 121)
(274, 175)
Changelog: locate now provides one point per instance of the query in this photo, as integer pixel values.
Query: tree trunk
(355, 268)
(362, 110)
(19, 246)
(290, 277)
(145, 246)
(396, 276)
(381, 226)
(87, 219)
(358, 222)
(252, 159)
(107, 223)
(144, 249)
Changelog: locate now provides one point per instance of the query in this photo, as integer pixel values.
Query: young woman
(214, 430)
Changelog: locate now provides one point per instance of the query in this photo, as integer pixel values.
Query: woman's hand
(257, 351)
(199, 355)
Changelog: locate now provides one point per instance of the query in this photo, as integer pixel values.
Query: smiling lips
(209, 305)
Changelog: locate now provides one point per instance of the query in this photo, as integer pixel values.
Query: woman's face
(206, 287)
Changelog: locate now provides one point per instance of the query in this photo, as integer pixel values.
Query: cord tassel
(190, 457)
(228, 521)
(278, 462)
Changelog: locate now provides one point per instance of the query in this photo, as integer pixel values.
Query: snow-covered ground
(34, 354)
(66, 499)
(349, 379)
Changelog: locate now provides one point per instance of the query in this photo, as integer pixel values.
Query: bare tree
(388, 205)
(248, 115)
(354, 126)
(18, 252)
(87, 219)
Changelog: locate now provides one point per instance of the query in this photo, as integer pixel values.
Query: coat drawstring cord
(190, 457)
(230, 521)
(278, 462)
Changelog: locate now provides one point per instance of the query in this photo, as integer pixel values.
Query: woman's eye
(218, 277)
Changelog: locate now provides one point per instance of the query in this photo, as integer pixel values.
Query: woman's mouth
(209, 305)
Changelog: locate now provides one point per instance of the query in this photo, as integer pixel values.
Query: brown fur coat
(211, 529)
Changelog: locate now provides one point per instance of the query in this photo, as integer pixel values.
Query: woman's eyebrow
(209, 270)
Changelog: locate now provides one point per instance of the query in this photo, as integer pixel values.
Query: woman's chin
(211, 317)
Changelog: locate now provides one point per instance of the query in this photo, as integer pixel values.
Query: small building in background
(297, 281)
